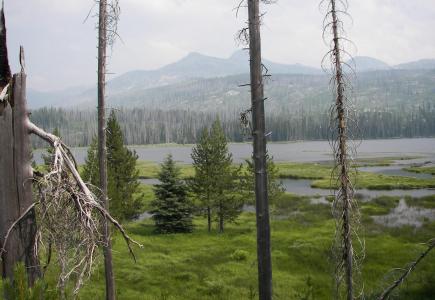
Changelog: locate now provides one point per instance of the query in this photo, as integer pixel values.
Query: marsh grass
(425, 170)
(200, 265)
(208, 266)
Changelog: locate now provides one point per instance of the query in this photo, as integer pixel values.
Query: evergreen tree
(202, 183)
(172, 211)
(122, 174)
(90, 168)
(274, 186)
(215, 180)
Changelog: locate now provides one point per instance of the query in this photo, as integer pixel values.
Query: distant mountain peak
(422, 64)
(367, 63)
(193, 56)
(240, 54)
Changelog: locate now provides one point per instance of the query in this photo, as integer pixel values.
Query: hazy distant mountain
(206, 79)
(422, 64)
(196, 65)
(63, 98)
(374, 90)
(366, 63)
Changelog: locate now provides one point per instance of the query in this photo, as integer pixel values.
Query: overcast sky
(61, 48)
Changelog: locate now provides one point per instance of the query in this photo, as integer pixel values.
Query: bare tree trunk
(15, 171)
(346, 192)
(259, 143)
(209, 218)
(16, 185)
(102, 151)
(221, 218)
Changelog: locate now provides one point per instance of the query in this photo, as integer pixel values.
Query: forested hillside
(390, 103)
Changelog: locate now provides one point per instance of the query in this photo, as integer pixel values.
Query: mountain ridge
(196, 66)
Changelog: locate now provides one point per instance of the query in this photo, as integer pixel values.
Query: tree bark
(16, 184)
(102, 151)
(259, 144)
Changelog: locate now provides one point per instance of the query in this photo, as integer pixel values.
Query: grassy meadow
(203, 265)
(223, 266)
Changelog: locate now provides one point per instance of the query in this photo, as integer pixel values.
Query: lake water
(405, 215)
(309, 151)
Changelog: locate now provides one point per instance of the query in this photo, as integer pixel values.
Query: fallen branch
(55, 142)
(386, 293)
(71, 217)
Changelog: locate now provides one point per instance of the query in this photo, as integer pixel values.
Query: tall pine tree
(172, 211)
(122, 174)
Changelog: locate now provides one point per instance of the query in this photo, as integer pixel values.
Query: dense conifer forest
(145, 126)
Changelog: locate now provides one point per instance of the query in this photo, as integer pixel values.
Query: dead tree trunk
(15, 171)
(102, 151)
(259, 143)
(16, 185)
(209, 218)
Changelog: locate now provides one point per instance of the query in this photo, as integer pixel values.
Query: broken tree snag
(16, 185)
(5, 70)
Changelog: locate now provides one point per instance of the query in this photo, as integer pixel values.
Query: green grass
(425, 202)
(303, 170)
(146, 194)
(379, 206)
(223, 266)
(373, 181)
(149, 169)
(320, 173)
(425, 170)
(381, 161)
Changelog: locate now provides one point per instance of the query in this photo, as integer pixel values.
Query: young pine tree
(274, 185)
(215, 180)
(122, 174)
(172, 211)
(202, 183)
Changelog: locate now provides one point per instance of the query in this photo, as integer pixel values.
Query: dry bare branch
(71, 218)
(407, 271)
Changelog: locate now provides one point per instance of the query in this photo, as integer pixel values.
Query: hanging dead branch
(345, 209)
(242, 39)
(111, 20)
